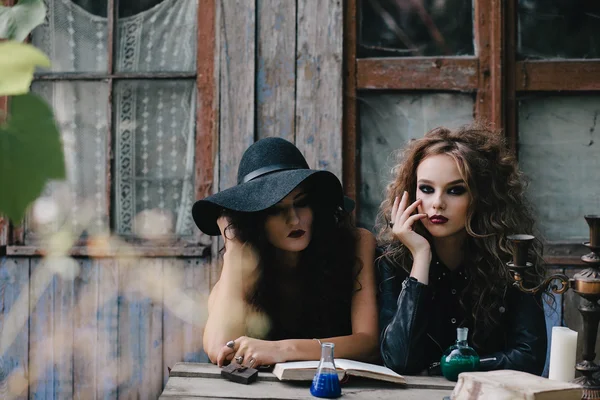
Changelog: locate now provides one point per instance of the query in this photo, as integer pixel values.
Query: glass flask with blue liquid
(459, 357)
(326, 383)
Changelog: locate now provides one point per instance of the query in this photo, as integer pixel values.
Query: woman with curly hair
(295, 269)
(455, 197)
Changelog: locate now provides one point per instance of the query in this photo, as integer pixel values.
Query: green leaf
(30, 154)
(17, 63)
(18, 21)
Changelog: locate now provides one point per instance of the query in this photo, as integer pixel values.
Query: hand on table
(251, 352)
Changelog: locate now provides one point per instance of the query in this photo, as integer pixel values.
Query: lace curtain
(153, 121)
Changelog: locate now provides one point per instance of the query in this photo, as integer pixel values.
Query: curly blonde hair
(497, 208)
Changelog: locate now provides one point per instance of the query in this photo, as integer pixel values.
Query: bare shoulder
(366, 245)
(366, 253)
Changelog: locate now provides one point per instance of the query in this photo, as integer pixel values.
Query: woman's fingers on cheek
(402, 204)
(395, 208)
(413, 219)
(412, 207)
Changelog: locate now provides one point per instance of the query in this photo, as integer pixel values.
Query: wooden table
(193, 381)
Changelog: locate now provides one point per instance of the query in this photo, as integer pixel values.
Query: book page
(299, 370)
(361, 366)
(297, 365)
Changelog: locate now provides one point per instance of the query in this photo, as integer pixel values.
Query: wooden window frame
(12, 237)
(493, 74)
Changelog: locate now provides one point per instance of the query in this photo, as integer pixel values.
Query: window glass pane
(393, 28)
(81, 111)
(75, 39)
(154, 156)
(162, 38)
(152, 35)
(559, 29)
(558, 150)
(387, 123)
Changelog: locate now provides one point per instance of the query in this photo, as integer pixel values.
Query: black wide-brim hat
(269, 170)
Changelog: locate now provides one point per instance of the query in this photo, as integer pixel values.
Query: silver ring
(239, 359)
(230, 344)
(251, 361)
(391, 224)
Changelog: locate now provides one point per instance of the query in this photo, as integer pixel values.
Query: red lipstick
(438, 219)
(298, 233)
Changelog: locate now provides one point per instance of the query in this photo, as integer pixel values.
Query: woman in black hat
(295, 269)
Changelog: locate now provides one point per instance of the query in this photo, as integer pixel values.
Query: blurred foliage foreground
(31, 154)
(30, 146)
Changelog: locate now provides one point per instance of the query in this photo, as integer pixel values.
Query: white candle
(562, 354)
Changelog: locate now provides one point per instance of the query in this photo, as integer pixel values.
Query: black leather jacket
(419, 322)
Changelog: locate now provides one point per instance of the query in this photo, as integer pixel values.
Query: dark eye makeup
(426, 189)
(457, 190)
(454, 190)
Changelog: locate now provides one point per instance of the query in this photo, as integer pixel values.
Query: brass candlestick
(586, 284)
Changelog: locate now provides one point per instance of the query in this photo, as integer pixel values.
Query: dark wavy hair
(328, 270)
(497, 208)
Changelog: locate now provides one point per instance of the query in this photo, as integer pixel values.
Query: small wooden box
(239, 374)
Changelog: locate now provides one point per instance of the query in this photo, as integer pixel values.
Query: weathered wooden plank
(238, 34)
(206, 113)
(153, 368)
(140, 328)
(85, 329)
(550, 75)
(196, 370)
(217, 241)
(351, 163)
(197, 285)
(489, 15)
(63, 326)
(276, 69)
(319, 83)
(173, 325)
(14, 326)
(186, 292)
(51, 327)
(41, 332)
(108, 329)
(189, 388)
(511, 130)
(418, 73)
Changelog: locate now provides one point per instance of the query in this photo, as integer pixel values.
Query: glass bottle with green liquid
(459, 357)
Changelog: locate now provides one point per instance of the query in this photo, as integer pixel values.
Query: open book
(508, 384)
(305, 371)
